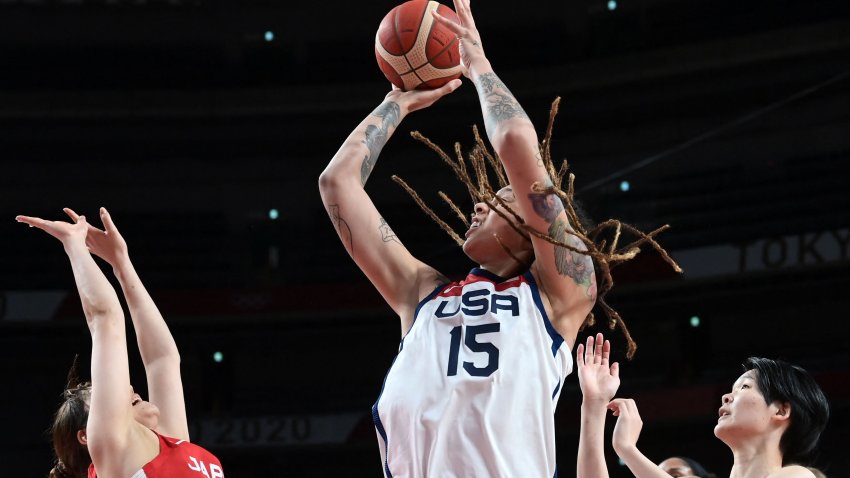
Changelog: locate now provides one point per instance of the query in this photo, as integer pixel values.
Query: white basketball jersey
(473, 389)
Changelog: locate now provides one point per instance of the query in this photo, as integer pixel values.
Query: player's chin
(149, 417)
(469, 248)
(153, 420)
(721, 430)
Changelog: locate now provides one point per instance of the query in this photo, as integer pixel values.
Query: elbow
(329, 181)
(516, 134)
(99, 315)
(332, 182)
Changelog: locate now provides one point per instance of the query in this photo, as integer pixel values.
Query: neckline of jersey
(488, 275)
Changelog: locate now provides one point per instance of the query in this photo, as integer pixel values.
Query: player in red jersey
(104, 428)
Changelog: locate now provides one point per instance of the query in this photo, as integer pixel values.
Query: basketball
(415, 51)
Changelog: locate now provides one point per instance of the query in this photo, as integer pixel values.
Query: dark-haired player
(104, 428)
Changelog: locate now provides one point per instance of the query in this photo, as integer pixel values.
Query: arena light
(269, 35)
(612, 5)
(625, 186)
(695, 321)
(218, 357)
(274, 214)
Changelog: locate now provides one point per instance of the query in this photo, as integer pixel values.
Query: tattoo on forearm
(578, 267)
(387, 233)
(376, 136)
(500, 104)
(547, 206)
(341, 228)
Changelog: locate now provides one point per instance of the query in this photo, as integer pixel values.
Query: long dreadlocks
(606, 255)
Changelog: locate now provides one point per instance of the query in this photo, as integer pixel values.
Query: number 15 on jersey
(472, 342)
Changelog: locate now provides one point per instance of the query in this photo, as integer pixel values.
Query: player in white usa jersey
(474, 386)
(473, 389)
(487, 367)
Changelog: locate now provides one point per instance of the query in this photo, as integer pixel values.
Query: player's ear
(783, 411)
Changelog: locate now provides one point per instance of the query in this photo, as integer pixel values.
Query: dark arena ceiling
(204, 125)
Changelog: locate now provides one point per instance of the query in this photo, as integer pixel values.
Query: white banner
(274, 431)
(807, 249)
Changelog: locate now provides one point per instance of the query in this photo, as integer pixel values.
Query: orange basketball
(414, 50)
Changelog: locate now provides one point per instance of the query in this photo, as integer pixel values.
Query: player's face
(144, 412)
(676, 467)
(744, 412)
(481, 244)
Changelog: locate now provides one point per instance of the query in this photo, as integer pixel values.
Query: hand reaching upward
(469, 40)
(599, 381)
(105, 243)
(629, 424)
(68, 233)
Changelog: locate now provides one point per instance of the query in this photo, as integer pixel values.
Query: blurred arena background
(204, 124)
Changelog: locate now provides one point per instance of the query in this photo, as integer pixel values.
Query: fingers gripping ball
(413, 50)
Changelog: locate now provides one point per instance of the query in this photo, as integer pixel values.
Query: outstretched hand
(68, 233)
(105, 243)
(414, 100)
(469, 40)
(598, 381)
(629, 424)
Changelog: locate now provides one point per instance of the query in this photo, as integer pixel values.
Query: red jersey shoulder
(178, 459)
(182, 459)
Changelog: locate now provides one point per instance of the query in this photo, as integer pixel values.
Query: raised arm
(625, 438)
(599, 382)
(156, 345)
(566, 276)
(110, 414)
(400, 278)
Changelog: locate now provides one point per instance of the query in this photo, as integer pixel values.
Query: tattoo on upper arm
(500, 103)
(387, 233)
(341, 228)
(578, 267)
(547, 206)
(376, 136)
